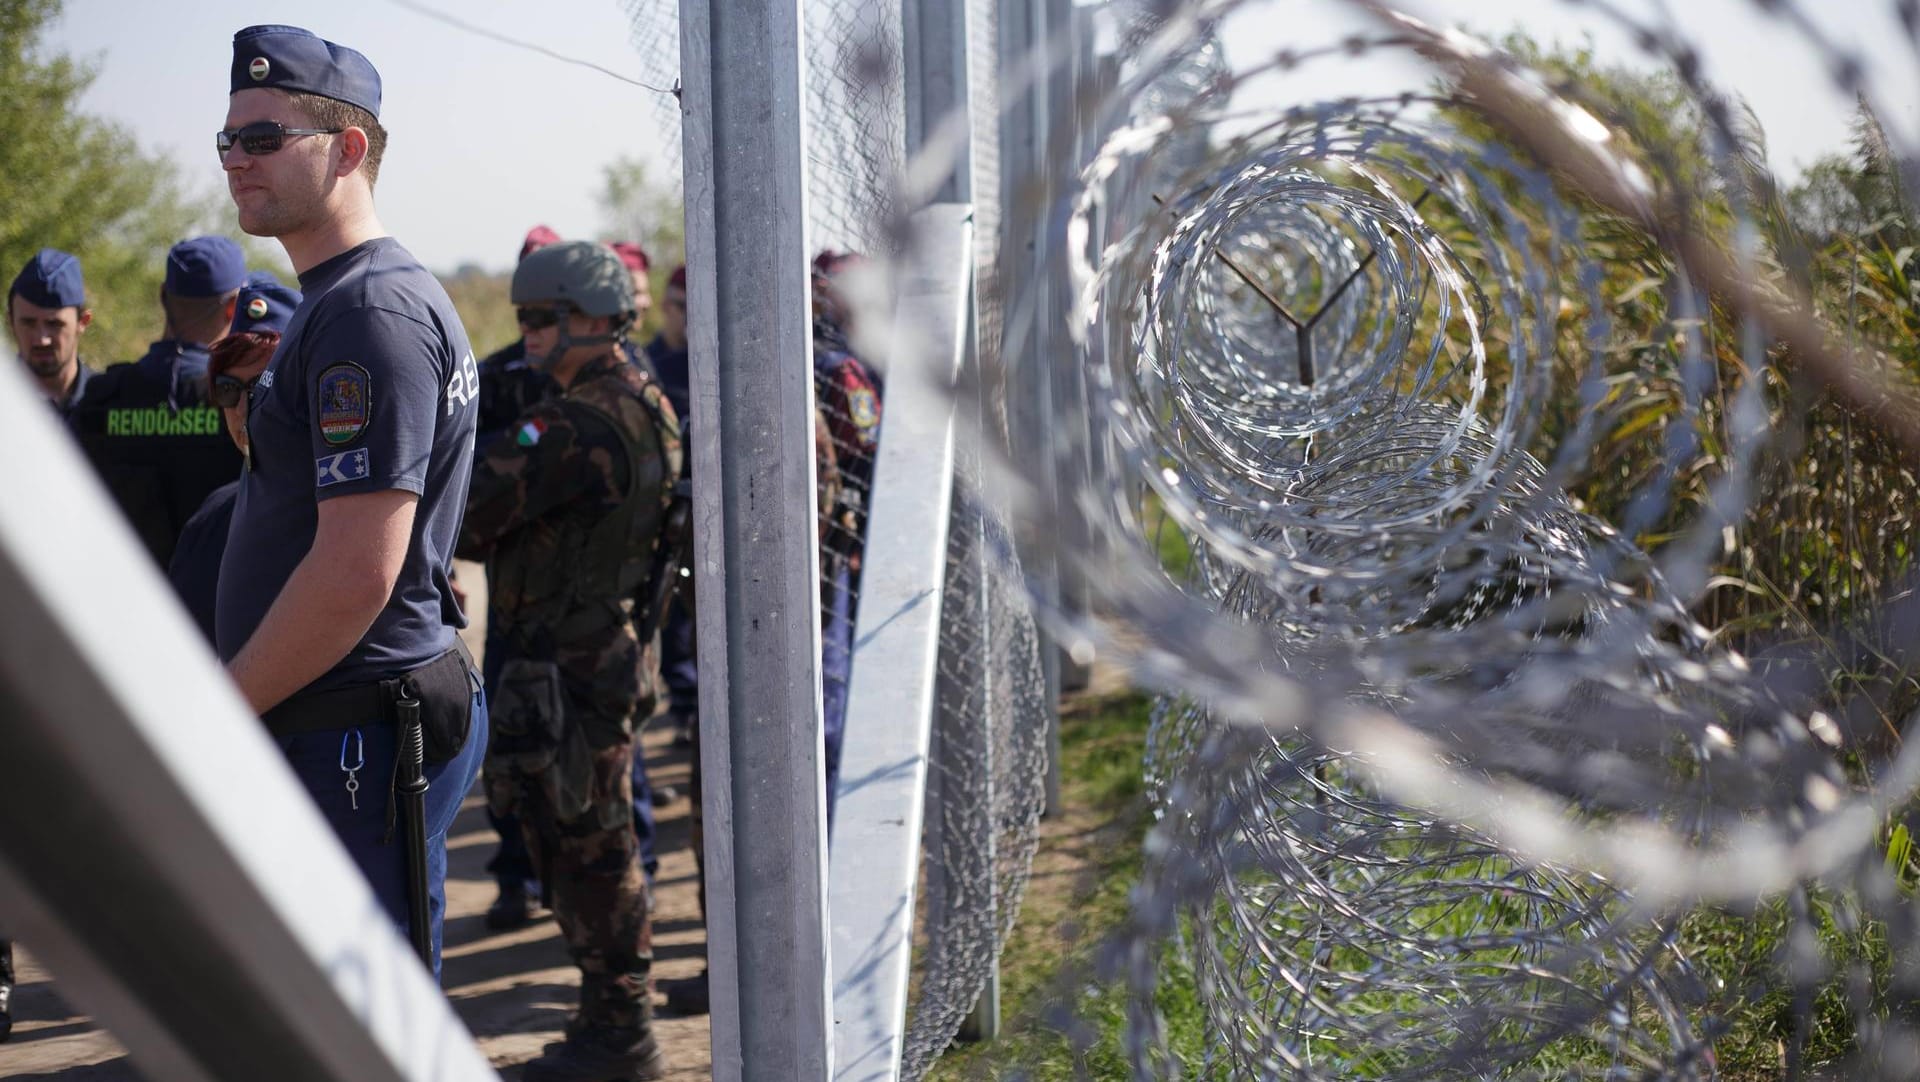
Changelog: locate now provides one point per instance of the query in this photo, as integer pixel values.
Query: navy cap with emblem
(51, 279)
(264, 307)
(205, 267)
(289, 58)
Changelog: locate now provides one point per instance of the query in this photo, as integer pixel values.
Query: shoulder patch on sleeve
(336, 469)
(863, 407)
(343, 400)
(530, 432)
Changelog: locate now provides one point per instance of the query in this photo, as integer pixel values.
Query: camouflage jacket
(566, 508)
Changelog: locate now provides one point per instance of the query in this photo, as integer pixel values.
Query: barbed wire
(1458, 735)
(507, 39)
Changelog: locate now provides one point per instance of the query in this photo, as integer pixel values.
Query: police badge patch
(343, 397)
(863, 407)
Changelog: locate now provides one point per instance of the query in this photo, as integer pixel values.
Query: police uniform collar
(167, 350)
(331, 265)
(81, 374)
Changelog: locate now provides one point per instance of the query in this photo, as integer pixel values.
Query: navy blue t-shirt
(373, 388)
(670, 368)
(194, 570)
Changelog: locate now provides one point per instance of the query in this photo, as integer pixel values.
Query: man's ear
(353, 150)
(86, 317)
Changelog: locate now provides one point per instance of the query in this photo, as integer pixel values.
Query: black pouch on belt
(444, 687)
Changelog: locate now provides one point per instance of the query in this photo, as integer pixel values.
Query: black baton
(410, 789)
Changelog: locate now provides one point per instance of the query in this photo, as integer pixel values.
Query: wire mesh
(655, 36)
(986, 784)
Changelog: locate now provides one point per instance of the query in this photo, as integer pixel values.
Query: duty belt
(359, 704)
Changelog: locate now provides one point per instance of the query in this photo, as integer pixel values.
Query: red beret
(830, 263)
(634, 256)
(537, 238)
(678, 279)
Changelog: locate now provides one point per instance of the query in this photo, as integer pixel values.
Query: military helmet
(586, 275)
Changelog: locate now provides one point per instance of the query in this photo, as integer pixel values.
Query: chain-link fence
(986, 780)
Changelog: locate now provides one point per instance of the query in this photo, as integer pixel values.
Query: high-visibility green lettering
(161, 421)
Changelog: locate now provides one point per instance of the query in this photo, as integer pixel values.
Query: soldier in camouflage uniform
(567, 509)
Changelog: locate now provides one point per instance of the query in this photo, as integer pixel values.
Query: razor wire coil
(1453, 751)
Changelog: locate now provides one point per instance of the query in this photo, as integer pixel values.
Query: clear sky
(486, 139)
(489, 139)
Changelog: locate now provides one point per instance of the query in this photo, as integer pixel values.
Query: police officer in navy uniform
(47, 313)
(335, 612)
(234, 365)
(147, 426)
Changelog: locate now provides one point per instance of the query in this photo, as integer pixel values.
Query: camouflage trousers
(575, 804)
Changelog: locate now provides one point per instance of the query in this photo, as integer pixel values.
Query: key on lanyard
(359, 760)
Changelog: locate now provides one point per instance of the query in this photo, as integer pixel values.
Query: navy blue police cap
(289, 58)
(51, 279)
(205, 267)
(264, 306)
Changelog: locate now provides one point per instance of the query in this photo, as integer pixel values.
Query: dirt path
(513, 989)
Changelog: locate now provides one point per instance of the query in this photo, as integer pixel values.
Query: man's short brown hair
(198, 319)
(332, 113)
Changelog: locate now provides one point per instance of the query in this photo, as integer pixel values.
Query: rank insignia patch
(345, 466)
(343, 399)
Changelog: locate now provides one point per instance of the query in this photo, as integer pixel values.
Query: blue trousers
(360, 818)
(679, 663)
(511, 863)
(836, 670)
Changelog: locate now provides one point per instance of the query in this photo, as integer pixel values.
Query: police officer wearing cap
(47, 313)
(147, 426)
(335, 612)
(234, 366)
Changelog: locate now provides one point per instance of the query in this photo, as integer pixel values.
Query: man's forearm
(314, 622)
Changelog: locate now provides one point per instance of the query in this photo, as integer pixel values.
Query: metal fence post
(756, 560)
(1023, 29)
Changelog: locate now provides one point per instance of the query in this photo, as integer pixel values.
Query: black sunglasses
(538, 318)
(262, 137)
(226, 391)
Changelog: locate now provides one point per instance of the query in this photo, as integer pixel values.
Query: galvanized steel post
(755, 542)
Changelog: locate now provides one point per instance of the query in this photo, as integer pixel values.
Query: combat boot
(598, 1052)
(6, 989)
(688, 996)
(514, 908)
